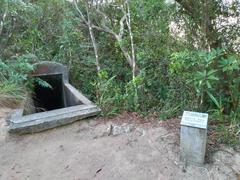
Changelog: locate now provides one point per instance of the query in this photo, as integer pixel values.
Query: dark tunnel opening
(45, 98)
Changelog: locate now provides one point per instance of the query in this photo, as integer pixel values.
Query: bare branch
(91, 33)
(104, 23)
(104, 27)
(125, 51)
(122, 25)
(93, 41)
(80, 12)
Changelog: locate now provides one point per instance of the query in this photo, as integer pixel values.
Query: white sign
(194, 119)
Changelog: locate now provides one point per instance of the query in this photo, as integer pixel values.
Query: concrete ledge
(74, 96)
(47, 120)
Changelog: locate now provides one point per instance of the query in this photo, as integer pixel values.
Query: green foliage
(199, 71)
(15, 80)
(214, 77)
(227, 134)
(114, 97)
(13, 76)
(134, 93)
(108, 93)
(10, 93)
(16, 71)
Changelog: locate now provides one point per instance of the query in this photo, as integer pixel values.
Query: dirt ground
(126, 147)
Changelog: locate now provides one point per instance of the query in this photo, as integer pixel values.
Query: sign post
(193, 137)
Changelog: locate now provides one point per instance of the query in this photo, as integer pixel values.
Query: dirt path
(105, 150)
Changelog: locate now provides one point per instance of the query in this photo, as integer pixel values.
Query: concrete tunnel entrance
(51, 107)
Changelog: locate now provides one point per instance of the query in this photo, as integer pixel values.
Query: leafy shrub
(15, 80)
(108, 93)
(213, 76)
(13, 77)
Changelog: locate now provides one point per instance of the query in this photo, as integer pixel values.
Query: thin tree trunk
(90, 29)
(119, 37)
(124, 50)
(3, 19)
(93, 39)
(131, 39)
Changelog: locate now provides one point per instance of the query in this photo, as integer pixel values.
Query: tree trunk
(93, 39)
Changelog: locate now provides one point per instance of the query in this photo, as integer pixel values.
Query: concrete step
(50, 119)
